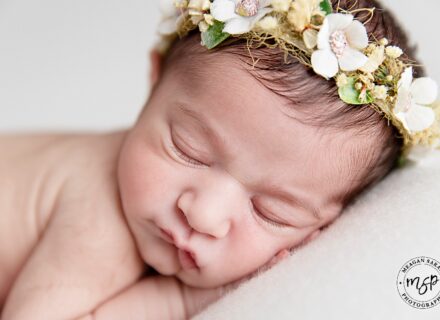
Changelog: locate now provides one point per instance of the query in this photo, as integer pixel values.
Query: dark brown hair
(316, 98)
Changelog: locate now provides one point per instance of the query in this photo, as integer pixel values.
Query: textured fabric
(350, 270)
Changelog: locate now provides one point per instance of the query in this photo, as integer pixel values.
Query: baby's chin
(203, 279)
(197, 277)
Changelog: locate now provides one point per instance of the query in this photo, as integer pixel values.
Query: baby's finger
(277, 258)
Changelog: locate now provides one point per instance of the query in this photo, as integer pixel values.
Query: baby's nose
(205, 216)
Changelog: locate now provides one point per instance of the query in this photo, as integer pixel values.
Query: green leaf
(350, 95)
(214, 35)
(401, 161)
(326, 6)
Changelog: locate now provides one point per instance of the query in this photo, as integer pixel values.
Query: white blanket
(350, 271)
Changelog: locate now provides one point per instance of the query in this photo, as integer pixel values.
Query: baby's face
(225, 193)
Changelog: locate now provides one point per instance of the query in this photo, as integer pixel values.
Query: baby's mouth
(187, 260)
(187, 257)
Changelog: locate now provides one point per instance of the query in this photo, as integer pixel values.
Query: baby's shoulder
(40, 170)
(67, 183)
(88, 199)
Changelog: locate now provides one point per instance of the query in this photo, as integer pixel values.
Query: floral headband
(331, 42)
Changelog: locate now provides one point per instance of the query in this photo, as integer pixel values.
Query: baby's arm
(82, 259)
(156, 297)
(161, 297)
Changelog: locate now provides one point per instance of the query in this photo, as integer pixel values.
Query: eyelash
(189, 161)
(266, 219)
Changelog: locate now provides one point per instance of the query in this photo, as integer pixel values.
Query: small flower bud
(380, 92)
(363, 96)
(358, 85)
(209, 19)
(393, 52)
(341, 80)
(389, 77)
(203, 26)
(383, 41)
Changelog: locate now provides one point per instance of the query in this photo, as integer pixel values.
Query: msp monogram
(418, 282)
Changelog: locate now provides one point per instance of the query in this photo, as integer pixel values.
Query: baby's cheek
(145, 179)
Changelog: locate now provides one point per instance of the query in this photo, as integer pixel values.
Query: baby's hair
(314, 97)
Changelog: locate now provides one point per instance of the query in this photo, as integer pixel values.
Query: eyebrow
(271, 188)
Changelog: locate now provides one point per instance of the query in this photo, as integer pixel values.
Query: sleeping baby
(265, 120)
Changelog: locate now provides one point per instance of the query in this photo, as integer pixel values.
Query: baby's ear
(155, 66)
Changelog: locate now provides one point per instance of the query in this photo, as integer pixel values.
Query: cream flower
(341, 80)
(420, 152)
(268, 23)
(393, 52)
(412, 100)
(310, 38)
(239, 15)
(281, 5)
(375, 59)
(380, 92)
(171, 16)
(206, 22)
(199, 5)
(301, 13)
(197, 10)
(339, 42)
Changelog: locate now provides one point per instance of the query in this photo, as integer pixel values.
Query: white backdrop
(82, 64)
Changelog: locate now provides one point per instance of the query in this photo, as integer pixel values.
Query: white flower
(239, 15)
(172, 16)
(339, 42)
(393, 52)
(412, 100)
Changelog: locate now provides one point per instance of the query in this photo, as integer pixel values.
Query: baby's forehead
(261, 130)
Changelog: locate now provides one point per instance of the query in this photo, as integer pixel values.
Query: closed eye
(272, 223)
(182, 155)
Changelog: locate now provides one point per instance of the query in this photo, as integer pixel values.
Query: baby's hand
(277, 258)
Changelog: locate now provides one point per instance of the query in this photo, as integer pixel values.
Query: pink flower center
(338, 42)
(247, 8)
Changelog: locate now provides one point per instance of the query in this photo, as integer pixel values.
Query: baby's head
(237, 163)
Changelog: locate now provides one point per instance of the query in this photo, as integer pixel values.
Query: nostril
(181, 212)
